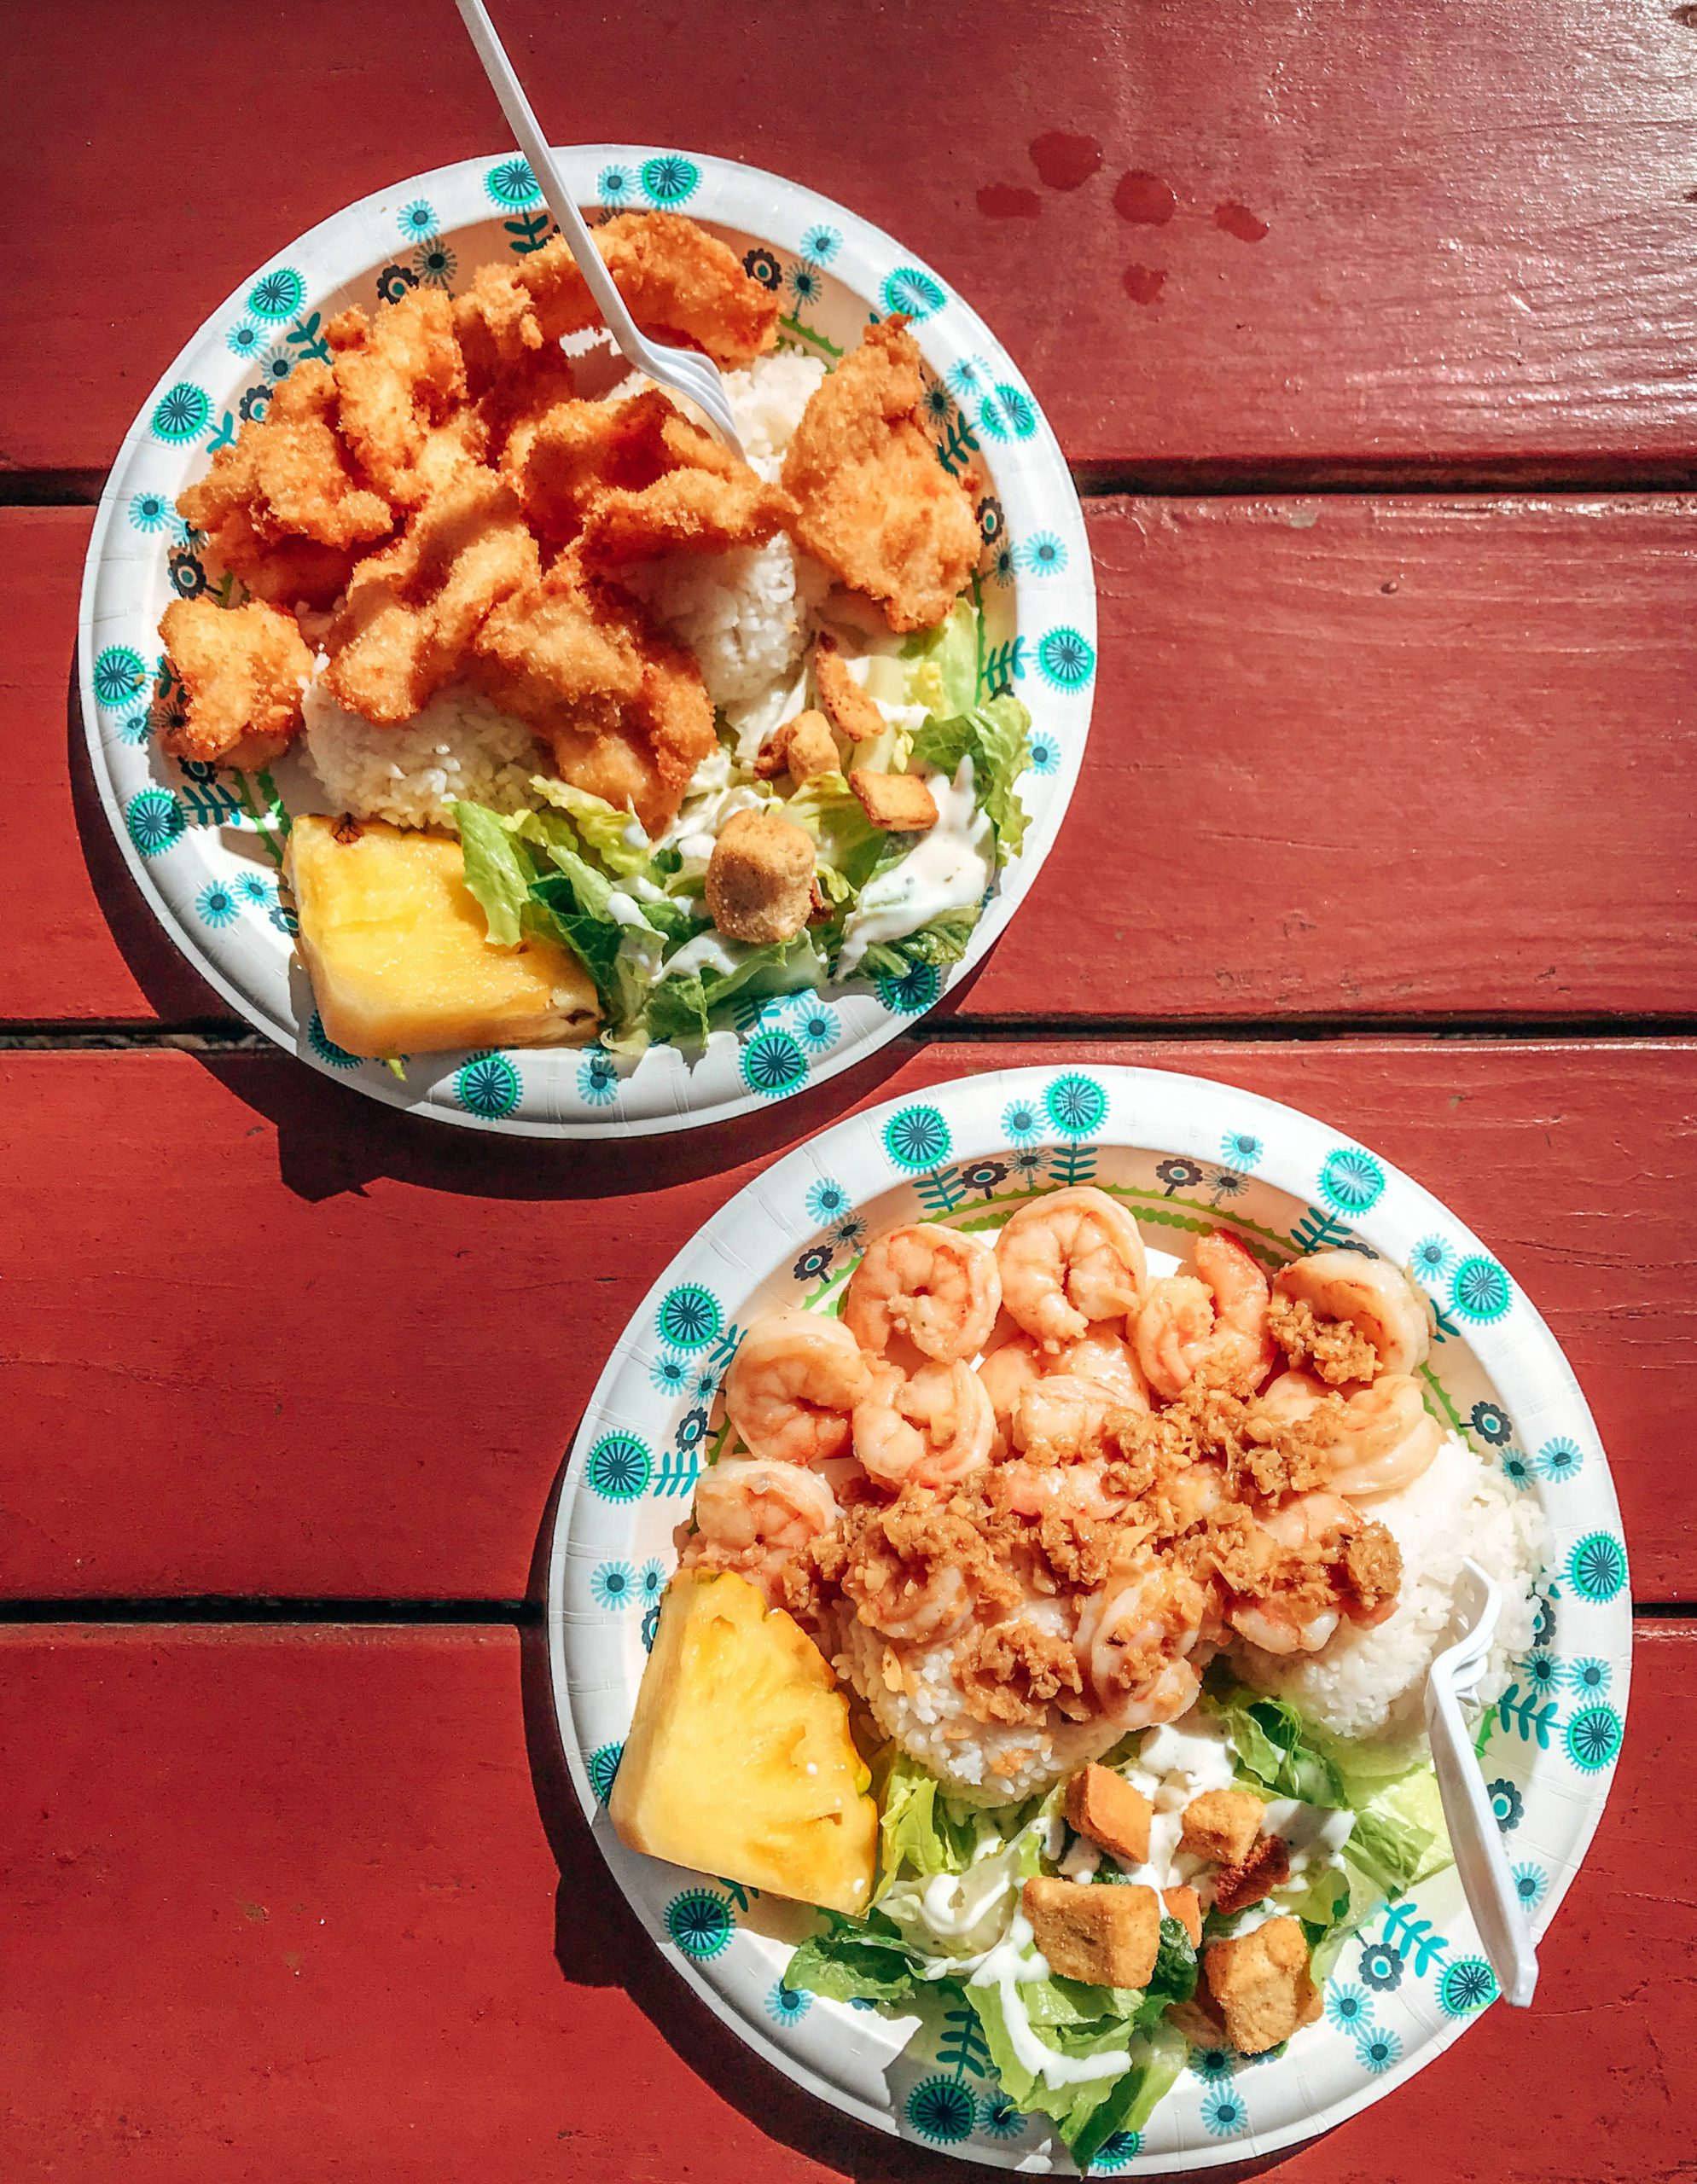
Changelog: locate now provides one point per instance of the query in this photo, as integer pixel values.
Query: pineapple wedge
(739, 1762)
(398, 954)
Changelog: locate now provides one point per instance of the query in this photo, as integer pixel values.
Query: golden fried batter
(243, 669)
(411, 613)
(877, 508)
(624, 710)
(635, 478)
(676, 279)
(399, 376)
(287, 475)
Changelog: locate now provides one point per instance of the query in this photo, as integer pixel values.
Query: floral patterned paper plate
(206, 845)
(1185, 1155)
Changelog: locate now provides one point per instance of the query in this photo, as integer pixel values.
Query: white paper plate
(1185, 1155)
(205, 844)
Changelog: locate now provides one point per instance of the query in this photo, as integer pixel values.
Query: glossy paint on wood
(273, 1338)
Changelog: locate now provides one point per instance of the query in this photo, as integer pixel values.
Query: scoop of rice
(1370, 1683)
(986, 1762)
(766, 402)
(459, 747)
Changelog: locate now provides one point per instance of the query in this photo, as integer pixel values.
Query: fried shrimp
(243, 670)
(932, 1429)
(285, 483)
(625, 711)
(675, 277)
(757, 1517)
(1377, 1299)
(399, 376)
(939, 1288)
(407, 624)
(1378, 1439)
(792, 1387)
(877, 508)
(1067, 1261)
(1210, 1324)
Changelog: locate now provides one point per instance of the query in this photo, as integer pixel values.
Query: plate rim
(1033, 1079)
(1014, 882)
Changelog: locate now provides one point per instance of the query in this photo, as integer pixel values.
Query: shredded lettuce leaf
(497, 872)
(603, 829)
(944, 941)
(1274, 1750)
(682, 1006)
(995, 737)
(943, 673)
(852, 1962)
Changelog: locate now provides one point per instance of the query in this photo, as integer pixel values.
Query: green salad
(576, 871)
(1096, 2061)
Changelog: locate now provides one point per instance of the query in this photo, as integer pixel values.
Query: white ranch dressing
(1008, 1967)
(952, 1906)
(948, 869)
(713, 951)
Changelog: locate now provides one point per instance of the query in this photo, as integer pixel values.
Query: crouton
(848, 706)
(1222, 1825)
(1265, 1869)
(804, 748)
(760, 878)
(1185, 1906)
(899, 803)
(1104, 1806)
(1105, 1937)
(1198, 2019)
(1261, 1984)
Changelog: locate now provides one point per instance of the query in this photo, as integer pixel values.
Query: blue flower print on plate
(1042, 555)
(941, 2110)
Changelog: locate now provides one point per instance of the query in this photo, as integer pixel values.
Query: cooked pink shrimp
(1007, 1372)
(1133, 1638)
(1384, 1437)
(930, 1429)
(1274, 1622)
(940, 1289)
(792, 1385)
(755, 1517)
(1069, 1260)
(1060, 1414)
(1377, 1299)
(1072, 1490)
(1213, 1323)
(1106, 1356)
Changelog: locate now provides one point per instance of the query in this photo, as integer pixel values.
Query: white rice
(459, 747)
(745, 614)
(1370, 1683)
(927, 1716)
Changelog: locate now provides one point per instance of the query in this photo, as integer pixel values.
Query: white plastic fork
(695, 377)
(1475, 1836)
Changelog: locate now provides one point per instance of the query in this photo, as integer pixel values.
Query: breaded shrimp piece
(560, 462)
(287, 474)
(676, 278)
(399, 376)
(243, 669)
(877, 508)
(412, 612)
(624, 708)
(689, 510)
(525, 391)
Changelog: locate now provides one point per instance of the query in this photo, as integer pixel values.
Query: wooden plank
(265, 1337)
(1472, 242)
(1402, 756)
(289, 1909)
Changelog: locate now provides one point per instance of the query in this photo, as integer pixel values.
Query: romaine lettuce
(942, 675)
(604, 830)
(682, 1006)
(995, 737)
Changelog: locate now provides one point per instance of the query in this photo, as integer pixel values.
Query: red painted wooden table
(1368, 330)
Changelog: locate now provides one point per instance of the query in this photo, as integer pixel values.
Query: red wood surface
(267, 1337)
(1393, 755)
(1300, 229)
(281, 1905)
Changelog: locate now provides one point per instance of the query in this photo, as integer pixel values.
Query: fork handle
(527, 134)
(1477, 1843)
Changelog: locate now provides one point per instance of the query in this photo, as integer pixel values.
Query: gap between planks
(221, 1035)
(1273, 477)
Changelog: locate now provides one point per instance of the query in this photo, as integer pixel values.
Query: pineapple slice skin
(736, 1703)
(397, 951)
